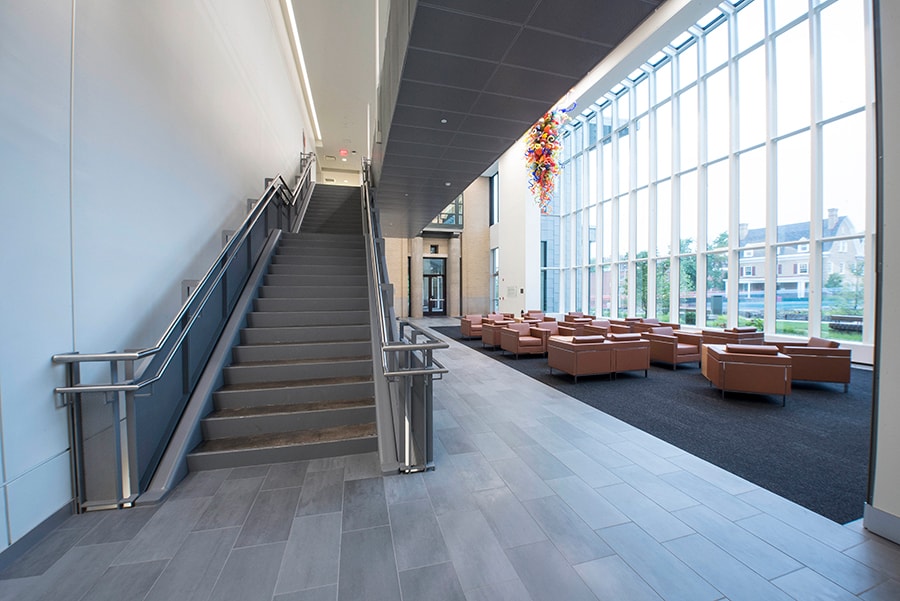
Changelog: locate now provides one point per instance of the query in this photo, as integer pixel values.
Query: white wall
(515, 235)
(118, 170)
(885, 519)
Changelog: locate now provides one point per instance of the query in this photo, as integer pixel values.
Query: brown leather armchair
(586, 327)
(818, 360)
(580, 355)
(524, 339)
(490, 331)
(759, 369)
(646, 324)
(673, 346)
(630, 352)
(470, 326)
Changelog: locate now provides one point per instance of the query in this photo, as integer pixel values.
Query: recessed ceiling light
(343, 159)
(446, 183)
(443, 120)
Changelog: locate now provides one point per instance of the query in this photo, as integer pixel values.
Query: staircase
(300, 383)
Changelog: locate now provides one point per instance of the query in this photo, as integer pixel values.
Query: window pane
(717, 46)
(716, 276)
(606, 157)
(664, 219)
(624, 159)
(592, 291)
(717, 205)
(605, 291)
(687, 66)
(592, 235)
(642, 223)
(624, 223)
(592, 177)
(751, 26)
(642, 96)
(752, 202)
(752, 98)
(844, 176)
(842, 289)
(688, 222)
(793, 188)
(788, 10)
(622, 308)
(664, 82)
(688, 132)
(579, 238)
(718, 115)
(843, 57)
(792, 79)
(664, 141)
(607, 231)
(640, 289)
(623, 109)
(578, 176)
(642, 144)
(792, 295)
(662, 289)
(751, 289)
(687, 298)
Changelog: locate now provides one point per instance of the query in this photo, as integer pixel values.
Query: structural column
(454, 277)
(415, 278)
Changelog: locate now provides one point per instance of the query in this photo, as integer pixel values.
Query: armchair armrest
(689, 337)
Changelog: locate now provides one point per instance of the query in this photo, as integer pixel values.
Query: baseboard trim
(22, 546)
(882, 523)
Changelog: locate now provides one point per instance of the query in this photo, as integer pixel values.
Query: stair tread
(285, 439)
(278, 362)
(323, 343)
(293, 383)
(291, 408)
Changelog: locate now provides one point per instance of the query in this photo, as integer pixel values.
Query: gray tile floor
(536, 496)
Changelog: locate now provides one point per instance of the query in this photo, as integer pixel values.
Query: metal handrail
(142, 416)
(408, 366)
(277, 185)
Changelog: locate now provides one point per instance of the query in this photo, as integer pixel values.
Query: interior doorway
(434, 290)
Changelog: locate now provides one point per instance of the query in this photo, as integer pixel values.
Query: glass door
(433, 289)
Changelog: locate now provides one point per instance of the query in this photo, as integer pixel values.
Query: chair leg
(846, 387)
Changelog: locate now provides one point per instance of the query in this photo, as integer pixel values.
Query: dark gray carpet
(814, 451)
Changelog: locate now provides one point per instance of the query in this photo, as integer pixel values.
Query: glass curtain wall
(728, 180)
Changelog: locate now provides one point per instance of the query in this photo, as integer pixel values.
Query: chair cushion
(751, 349)
(587, 339)
(624, 336)
(664, 330)
(742, 329)
(529, 341)
(650, 320)
(822, 342)
(687, 349)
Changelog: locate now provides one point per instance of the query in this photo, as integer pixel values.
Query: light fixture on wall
(289, 8)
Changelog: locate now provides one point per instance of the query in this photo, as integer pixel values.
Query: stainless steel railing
(120, 427)
(408, 365)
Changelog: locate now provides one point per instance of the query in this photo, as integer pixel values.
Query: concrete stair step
(313, 291)
(315, 280)
(306, 269)
(264, 372)
(286, 319)
(326, 259)
(288, 393)
(282, 447)
(327, 333)
(303, 350)
(273, 304)
(270, 419)
(311, 251)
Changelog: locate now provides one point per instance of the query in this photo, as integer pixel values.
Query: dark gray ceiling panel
(491, 68)
(438, 30)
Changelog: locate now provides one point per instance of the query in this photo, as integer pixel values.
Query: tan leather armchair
(585, 327)
(630, 352)
(580, 355)
(646, 324)
(523, 339)
(490, 331)
(470, 326)
(673, 346)
(759, 369)
(818, 360)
